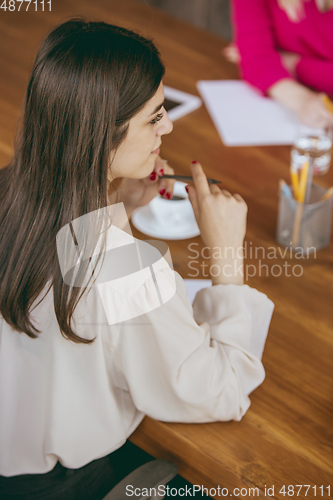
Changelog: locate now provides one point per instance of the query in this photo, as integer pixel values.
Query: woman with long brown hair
(82, 360)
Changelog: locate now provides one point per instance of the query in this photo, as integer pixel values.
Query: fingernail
(186, 188)
(168, 195)
(194, 161)
(152, 176)
(162, 191)
(161, 172)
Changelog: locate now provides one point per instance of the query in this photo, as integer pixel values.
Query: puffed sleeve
(254, 35)
(195, 365)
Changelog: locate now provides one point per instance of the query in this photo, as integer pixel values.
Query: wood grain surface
(286, 436)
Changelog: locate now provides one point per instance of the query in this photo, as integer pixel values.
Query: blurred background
(212, 15)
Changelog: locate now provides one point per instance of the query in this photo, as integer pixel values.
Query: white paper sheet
(243, 117)
(193, 286)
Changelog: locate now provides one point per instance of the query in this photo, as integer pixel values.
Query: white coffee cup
(175, 211)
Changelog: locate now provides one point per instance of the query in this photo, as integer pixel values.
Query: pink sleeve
(316, 73)
(260, 62)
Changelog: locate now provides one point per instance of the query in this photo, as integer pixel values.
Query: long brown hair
(88, 80)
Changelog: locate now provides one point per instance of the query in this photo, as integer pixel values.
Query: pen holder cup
(306, 227)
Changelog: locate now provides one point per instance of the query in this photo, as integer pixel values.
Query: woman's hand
(135, 193)
(221, 218)
(306, 103)
(314, 112)
(231, 53)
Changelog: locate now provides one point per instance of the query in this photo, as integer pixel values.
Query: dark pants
(91, 482)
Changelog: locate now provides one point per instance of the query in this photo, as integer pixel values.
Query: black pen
(186, 178)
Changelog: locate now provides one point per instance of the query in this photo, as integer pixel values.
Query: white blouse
(76, 403)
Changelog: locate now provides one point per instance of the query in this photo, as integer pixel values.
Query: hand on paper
(306, 103)
(314, 112)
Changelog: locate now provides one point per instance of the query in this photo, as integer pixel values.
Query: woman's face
(135, 157)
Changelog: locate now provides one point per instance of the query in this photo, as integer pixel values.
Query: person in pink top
(285, 49)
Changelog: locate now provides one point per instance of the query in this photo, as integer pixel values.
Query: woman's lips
(156, 152)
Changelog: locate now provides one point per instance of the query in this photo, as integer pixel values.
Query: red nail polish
(162, 191)
(152, 176)
(161, 172)
(168, 195)
(186, 188)
(194, 161)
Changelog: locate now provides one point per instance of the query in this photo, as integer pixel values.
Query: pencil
(303, 181)
(187, 178)
(327, 195)
(300, 206)
(327, 102)
(294, 181)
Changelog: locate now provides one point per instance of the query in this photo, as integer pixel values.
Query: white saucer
(145, 222)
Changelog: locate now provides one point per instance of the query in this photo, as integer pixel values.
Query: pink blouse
(262, 28)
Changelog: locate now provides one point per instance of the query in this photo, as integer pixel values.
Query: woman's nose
(166, 125)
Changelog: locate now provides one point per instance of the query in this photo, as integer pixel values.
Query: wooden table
(286, 436)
